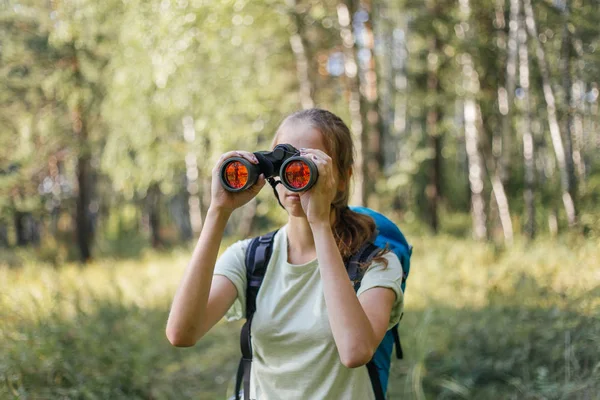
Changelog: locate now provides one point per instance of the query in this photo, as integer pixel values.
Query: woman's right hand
(224, 200)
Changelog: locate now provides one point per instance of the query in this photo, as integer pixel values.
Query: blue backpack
(258, 255)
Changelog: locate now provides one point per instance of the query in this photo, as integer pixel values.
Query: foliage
(480, 322)
(135, 73)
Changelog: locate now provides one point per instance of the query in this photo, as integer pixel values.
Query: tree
(557, 141)
(359, 194)
(526, 128)
(299, 46)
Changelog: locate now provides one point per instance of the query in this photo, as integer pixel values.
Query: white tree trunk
(475, 163)
(191, 164)
(359, 194)
(372, 142)
(557, 142)
(506, 95)
(475, 167)
(503, 209)
(528, 144)
(594, 114)
(579, 93)
(501, 144)
(569, 103)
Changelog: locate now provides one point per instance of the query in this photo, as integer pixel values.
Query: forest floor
(480, 323)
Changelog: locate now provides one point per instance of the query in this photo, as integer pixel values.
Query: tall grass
(519, 323)
(480, 323)
(98, 333)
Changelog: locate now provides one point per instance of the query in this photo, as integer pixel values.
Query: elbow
(176, 342)
(180, 339)
(356, 356)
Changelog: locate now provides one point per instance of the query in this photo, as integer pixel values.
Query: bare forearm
(352, 331)
(189, 304)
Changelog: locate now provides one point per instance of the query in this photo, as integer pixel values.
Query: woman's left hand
(316, 202)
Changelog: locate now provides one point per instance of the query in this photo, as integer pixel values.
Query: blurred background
(477, 131)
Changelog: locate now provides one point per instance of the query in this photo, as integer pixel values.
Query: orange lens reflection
(236, 175)
(297, 174)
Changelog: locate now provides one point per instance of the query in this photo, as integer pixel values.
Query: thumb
(260, 182)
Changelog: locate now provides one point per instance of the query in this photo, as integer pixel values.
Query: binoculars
(297, 173)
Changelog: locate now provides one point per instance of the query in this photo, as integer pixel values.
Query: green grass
(480, 323)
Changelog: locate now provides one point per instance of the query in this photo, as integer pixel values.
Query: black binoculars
(297, 173)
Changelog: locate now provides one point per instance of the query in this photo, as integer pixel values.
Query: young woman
(311, 330)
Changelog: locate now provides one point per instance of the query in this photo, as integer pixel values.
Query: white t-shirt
(294, 353)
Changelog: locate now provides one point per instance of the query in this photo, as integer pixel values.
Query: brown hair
(351, 229)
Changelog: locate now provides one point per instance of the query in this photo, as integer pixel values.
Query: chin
(295, 210)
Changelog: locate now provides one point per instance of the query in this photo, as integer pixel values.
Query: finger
(258, 185)
(227, 155)
(235, 153)
(261, 180)
(318, 159)
(248, 156)
(316, 153)
(222, 159)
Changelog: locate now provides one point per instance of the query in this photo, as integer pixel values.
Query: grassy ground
(480, 323)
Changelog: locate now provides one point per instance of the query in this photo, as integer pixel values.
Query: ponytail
(351, 230)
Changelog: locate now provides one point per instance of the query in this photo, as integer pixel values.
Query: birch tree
(362, 23)
(506, 94)
(359, 194)
(557, 142)
(475, 163)
(497, 158)
(192, 181)
(568, 104)
(528, 143)
(579, 111)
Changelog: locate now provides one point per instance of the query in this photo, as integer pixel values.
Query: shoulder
(391, 263)
(386, 274)
(233, 260)
(238, 248)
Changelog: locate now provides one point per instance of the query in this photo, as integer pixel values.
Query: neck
(299, 232)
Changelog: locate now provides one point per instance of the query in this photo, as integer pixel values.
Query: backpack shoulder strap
(375, 382)
(355, 263)
(397, 344)
(258, 254)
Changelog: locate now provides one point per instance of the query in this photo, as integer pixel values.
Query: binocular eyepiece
(297, 173)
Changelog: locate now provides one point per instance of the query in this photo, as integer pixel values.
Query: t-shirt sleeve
(232, 265)
(390, 276)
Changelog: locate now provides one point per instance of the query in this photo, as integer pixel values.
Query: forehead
(300, 135)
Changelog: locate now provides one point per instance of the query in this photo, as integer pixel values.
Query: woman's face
(300, 135)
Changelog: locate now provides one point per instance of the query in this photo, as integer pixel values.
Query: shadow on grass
(508, 349)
